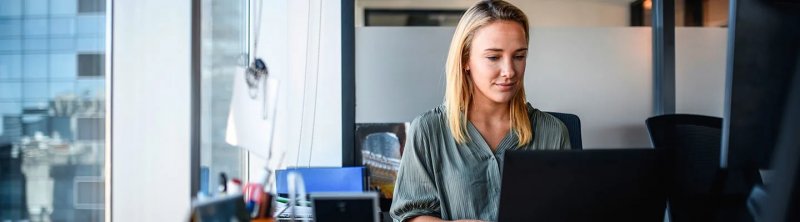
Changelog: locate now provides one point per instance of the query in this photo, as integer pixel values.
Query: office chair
(691, 144)
(573, 123)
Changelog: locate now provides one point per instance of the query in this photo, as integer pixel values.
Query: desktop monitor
(763, 45)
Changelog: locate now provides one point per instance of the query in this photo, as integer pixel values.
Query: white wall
(150, 135)
(604, 75)
(290, 52)
(541, 13)
(700, 70)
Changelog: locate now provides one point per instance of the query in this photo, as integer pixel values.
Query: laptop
(345, 206)
(582, 185)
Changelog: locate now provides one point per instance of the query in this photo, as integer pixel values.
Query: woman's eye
(492, 58)
(519, 57)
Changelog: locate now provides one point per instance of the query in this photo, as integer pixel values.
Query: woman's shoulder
(545, 121)
(433, 118)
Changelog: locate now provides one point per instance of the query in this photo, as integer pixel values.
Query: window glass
(35, 27)
(90, 44)
(35, 44)
(91, 6)
(63, 44)
(10, 66)
(63, 66)
(34, 66)
(62, 26)
(35, 7)
(63, 7)
(11, 7)
(224, 41)
(10, 27)
(90, 65)
(51, 138)
(91, 25)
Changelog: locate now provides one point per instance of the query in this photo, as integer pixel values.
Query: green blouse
(439, 177)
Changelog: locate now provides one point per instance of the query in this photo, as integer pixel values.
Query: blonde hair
(458, 93)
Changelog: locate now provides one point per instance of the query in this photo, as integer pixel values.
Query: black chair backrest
(694, 143)
(573, 123)
(692, 147)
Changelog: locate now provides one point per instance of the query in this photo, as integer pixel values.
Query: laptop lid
(582, 185)
(345, 206)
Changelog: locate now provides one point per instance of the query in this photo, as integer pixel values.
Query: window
(224, 47)
(404, 17)
(52, 123)
(90, 6)
(91, 65)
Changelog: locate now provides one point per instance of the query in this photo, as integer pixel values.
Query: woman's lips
(505, 86)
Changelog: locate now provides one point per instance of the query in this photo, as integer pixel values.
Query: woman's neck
(482, 109)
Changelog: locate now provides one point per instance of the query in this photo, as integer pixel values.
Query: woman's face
(496, 63)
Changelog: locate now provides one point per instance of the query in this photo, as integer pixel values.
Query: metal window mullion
(663, 57)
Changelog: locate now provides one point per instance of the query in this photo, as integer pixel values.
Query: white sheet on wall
(251, 119)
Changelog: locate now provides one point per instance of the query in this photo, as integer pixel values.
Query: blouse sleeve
(415, 193)
(565, 143)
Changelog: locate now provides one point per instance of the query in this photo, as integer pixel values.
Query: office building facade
(52, 104)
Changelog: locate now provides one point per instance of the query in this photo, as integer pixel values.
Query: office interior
(131, 110)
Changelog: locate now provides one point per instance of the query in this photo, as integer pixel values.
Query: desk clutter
(301, 194)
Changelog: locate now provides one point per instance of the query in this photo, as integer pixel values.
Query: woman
(451, 167)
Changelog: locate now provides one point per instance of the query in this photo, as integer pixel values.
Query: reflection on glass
(52, 123)
(224, 34)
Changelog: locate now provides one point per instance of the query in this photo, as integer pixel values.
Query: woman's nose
(507, 69)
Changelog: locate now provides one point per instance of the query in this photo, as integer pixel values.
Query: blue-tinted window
(10, 7)
(36, 7)
(34, 90)
(62, 44)
(63, 7)
(91, 6)
(39, 102)
(91, 65)
(10, 66)
(59, 88)
(34, 44)
(34, 66)
(35, 103)
(10, 27)
(10, 108)
(35, 27)
(10, 45)
(10, 91)
(91, 44)
(62, 26)
(90, 87)
(62, 66)
(90, 24)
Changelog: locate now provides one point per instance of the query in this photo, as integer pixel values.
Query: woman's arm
(415, 193)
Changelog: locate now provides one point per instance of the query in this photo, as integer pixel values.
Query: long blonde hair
(458, 94)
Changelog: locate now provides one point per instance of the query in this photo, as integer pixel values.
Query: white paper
(251, 120)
